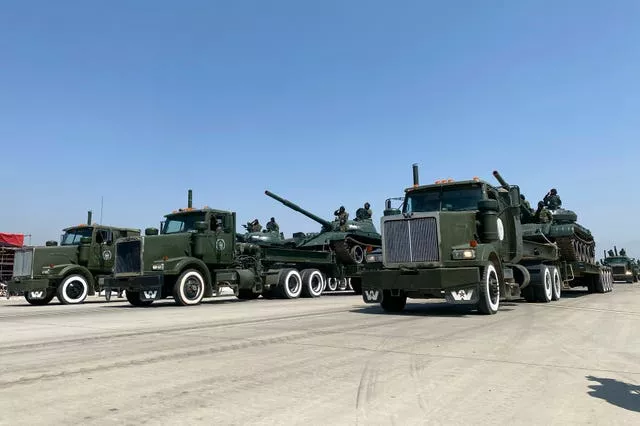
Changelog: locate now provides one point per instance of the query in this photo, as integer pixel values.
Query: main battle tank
(575, 242)
(262, 238)
(350, 241)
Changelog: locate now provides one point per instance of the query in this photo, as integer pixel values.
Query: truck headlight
(463, 254)
(628, 273)
(157, 267)
(371, 258)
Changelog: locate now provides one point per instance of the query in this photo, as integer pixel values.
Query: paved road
(330, 361)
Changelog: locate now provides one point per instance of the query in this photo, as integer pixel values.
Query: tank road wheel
(557, 285)
(544, 292)
(393, 303)
(312, 283)
(133, 297)
(189, 288)
(73, 290)
(489, 291)
(332, 284)
(357, 254)
(39, 298)
(290, 283)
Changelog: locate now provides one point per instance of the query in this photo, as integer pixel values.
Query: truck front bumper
(25, 285)
(149, 286)
(457, 285)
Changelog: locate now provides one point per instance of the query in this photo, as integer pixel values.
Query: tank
(575, 242)
(350, 241)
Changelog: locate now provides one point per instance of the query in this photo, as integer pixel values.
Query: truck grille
(23, 263)
(618, 270)
(411, 240)
(128, 257)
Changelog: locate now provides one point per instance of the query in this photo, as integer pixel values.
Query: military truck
(69, 270)
(623, 267)
(465, 242)
(196, 254)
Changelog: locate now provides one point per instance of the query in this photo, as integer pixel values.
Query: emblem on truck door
(106, 255)
(220, 244)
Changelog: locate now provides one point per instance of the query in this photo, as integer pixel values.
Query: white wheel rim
(492, 278)
(548, 284)
(72, 280)
(190, 300)
(557, 283)
(297, 281)
(317, 277)
(332, 283)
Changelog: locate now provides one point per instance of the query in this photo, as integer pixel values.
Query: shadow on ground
(620, 394)
(437, 309)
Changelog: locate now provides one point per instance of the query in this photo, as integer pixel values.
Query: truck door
(222, 238)
(102, 253)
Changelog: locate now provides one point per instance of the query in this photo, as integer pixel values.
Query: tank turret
(350, 241)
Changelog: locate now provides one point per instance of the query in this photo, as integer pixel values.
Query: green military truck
(622, 267)
(472, 243)
(70, 270)
(196, 254)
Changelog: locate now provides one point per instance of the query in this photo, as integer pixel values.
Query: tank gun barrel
(499, 178)
(299, 209)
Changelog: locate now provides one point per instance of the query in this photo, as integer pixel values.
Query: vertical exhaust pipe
(416, 180)
(190, 199)
(615, 250)
(89, 213)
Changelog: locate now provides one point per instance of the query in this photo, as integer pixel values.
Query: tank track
(576, 249)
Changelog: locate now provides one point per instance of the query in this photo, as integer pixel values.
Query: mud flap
(462, 296)
(149, 295)
(372, 295)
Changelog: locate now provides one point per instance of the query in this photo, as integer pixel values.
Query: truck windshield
(616, 260)
(182, 223)
(454, 199)
(72, 236)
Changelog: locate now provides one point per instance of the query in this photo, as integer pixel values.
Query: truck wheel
(290, 283)
(544, 292)
(36, 297)
(247, 294)
(600, 284)
(312, 283)
(189, 288)
(356, 285)
(609, 276)
(332, 284)
(133, 297)
(393, 303)
(557, 285)
(73, 290)
(489, 291)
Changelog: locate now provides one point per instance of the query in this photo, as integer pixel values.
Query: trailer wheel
(557, 285)
(290, 283)
(332, 284)
(393, 303)
(39, 298)
(489, 291)
(312, 283)
(133, 297)
(73, 290)
(189, 288)
(609, 276)
(544, 292)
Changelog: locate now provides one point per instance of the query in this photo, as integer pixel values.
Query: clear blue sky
(322, 102)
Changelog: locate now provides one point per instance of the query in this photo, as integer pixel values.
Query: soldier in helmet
(341, 216)
(367, 211)
(552, 200)
(525, 203)
(255, 226)
(543, 214)
(272, 226)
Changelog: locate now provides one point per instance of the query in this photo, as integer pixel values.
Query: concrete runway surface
(327, 361)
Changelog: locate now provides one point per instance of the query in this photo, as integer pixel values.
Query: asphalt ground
(328, 361)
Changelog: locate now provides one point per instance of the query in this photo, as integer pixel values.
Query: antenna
(101, 207)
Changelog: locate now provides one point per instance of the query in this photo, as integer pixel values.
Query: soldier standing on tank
(255, 226)
(552, 200)
(543, 214)
(367, 211)
(342, 216)
(272, 226)
(525, 203)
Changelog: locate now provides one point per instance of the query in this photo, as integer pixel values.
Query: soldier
(525, 203)
(272, 226)
(255, 226)
(623, 252)
(543, 214)
(342, 216)
(367, 211)
(552, 200)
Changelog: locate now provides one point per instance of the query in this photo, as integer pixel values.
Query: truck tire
(393, 303)
(312, 283)
(73, 290)
(289, 283)
(50, 294)
(356, 285)
(489, 302)
(133, 297)
(332, 284)
(189, 288)
(557, 285)
(544, 289)
(600, 283)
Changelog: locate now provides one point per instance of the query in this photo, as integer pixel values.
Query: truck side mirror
(201, 226)
(151, 231)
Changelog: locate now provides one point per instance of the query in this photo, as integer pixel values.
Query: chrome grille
(128, 257)
(23, 263)
(411, 240)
